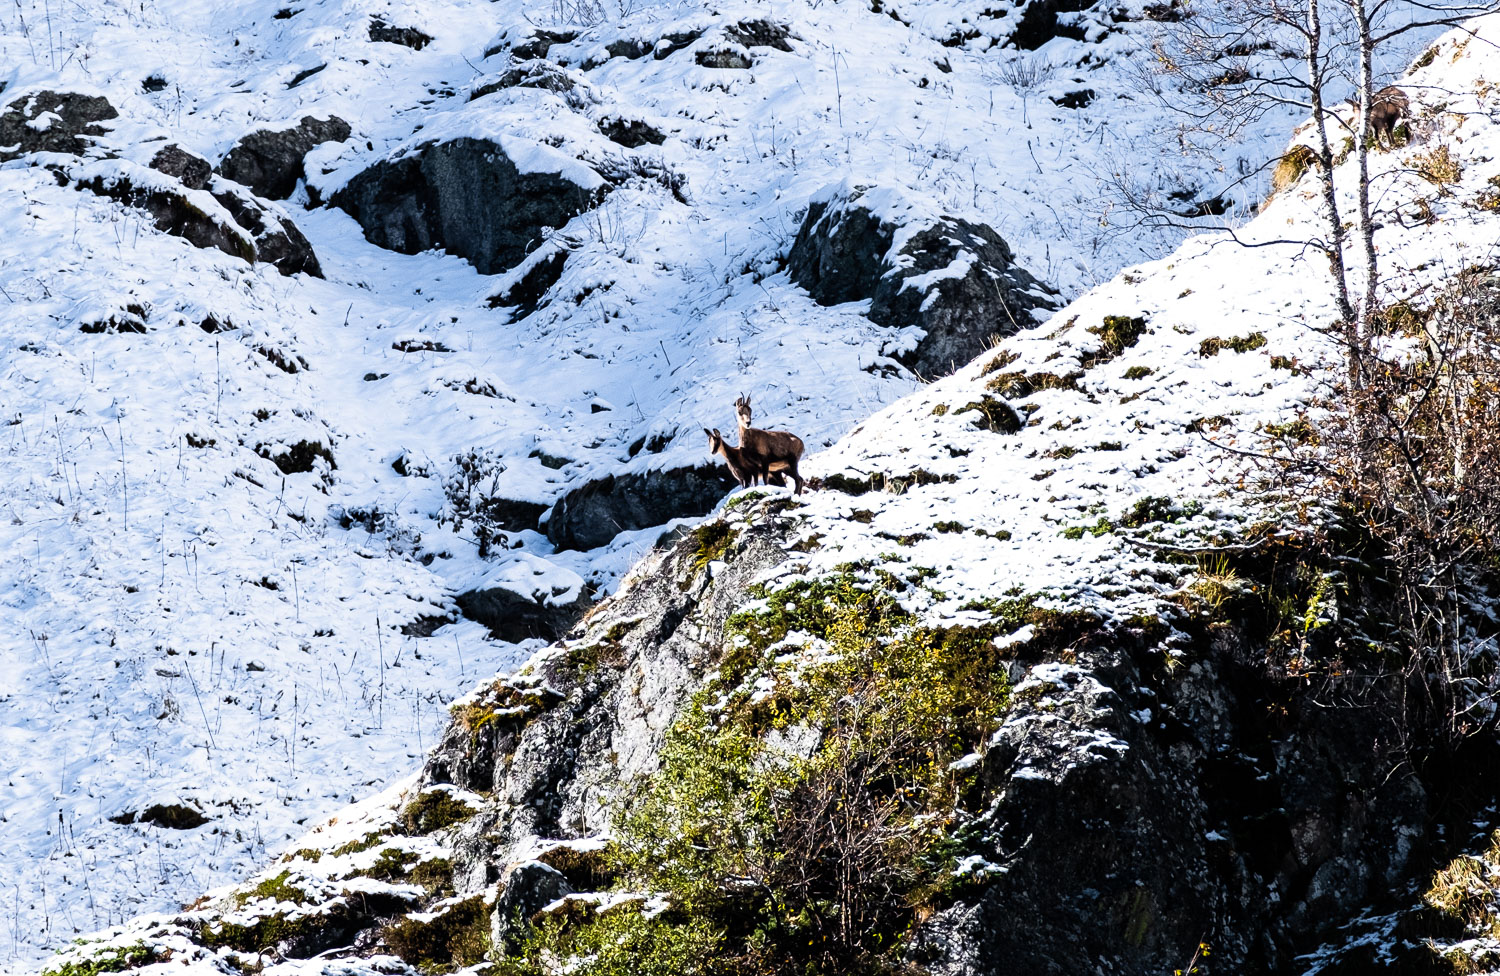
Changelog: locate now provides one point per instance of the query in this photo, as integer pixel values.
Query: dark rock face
(466, 196)
(269, 161)
(536, 275)
(1137, 816)
(72, 120)
(277, 239)
(630, 133)
(592, 515)
(1040, 23)
(383, 33)
(189, 170)
(844, 252)
(512, 616)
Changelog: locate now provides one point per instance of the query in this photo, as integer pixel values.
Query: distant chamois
(744, 472)
(1387, 108)
(769, 451)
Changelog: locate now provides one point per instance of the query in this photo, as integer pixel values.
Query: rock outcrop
(269, 161)
(471, 197)
(56, 122)
(515, 617)
(593, 514)
(955, 279)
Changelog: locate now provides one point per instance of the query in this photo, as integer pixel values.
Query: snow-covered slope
(184, 623)
(1124, 403)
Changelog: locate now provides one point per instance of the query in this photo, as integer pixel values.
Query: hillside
(245, 496)
(1105, 629)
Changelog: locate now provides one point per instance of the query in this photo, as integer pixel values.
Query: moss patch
(712, 541)
(432, 811)
(1212, 347)
(1015, 386)
(460, 936)
(106, 959)
(1116, 334)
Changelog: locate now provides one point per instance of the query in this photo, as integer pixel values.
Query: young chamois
(770, 451)
(742, 470)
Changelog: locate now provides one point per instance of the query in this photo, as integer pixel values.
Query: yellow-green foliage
(712, 541)
(1466, 889)
(1489, 199)
(276, 889)
(1293, 163)
(460, 936)
(893, 704)
(1014, 386)
(105, 959)
(1438, 167)
(363, 844)
(620, 943)
(1212, 347)
(1116, 334)
(1138, 372)
(432, 811)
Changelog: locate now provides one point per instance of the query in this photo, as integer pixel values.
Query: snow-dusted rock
(269, 161)
(956, 279)
(484, 200)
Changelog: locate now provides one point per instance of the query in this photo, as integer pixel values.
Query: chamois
(770, 451)
(743, 471)
(1387, 108)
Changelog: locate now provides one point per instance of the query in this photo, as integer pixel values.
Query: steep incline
(241, 503)
(1065, 522)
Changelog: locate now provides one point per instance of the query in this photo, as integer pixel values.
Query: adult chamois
(771, 452)
(1388, 107)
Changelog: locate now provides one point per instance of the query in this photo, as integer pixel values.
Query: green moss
(460, 936)
(392, 865)
(940, 410)
(1099, 528)
(433, 811)
(1283, 362)
(949, 527)
(1109, 446)
(620, 943)
(1015, 386)
(1116, 334)
(106, 959)
(277, 889)
(1214, 346)
(1158, 508)
(363, 844)
(712, 541)
(310, 854)
(1428, 56)
(262, 934)
(895, 704)
(1062, 453)
(1138, 372)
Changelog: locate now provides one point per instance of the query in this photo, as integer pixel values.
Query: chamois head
(715, 440)
(742, 409)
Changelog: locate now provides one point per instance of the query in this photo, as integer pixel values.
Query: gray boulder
(469, 197)
(515, 617)
(250, 229)
(49, 121)
(590, 516)
(846, 251)
(525, 889)
(269, 161)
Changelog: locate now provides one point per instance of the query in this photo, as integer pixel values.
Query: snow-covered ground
(182, 622)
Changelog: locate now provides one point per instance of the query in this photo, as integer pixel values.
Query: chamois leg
(791, 469)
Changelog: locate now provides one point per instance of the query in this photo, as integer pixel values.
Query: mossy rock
(459, 936)
(432, 811)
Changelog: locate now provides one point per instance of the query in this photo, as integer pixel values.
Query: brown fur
(771, 452)
(741, 470)
(1387, 108)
